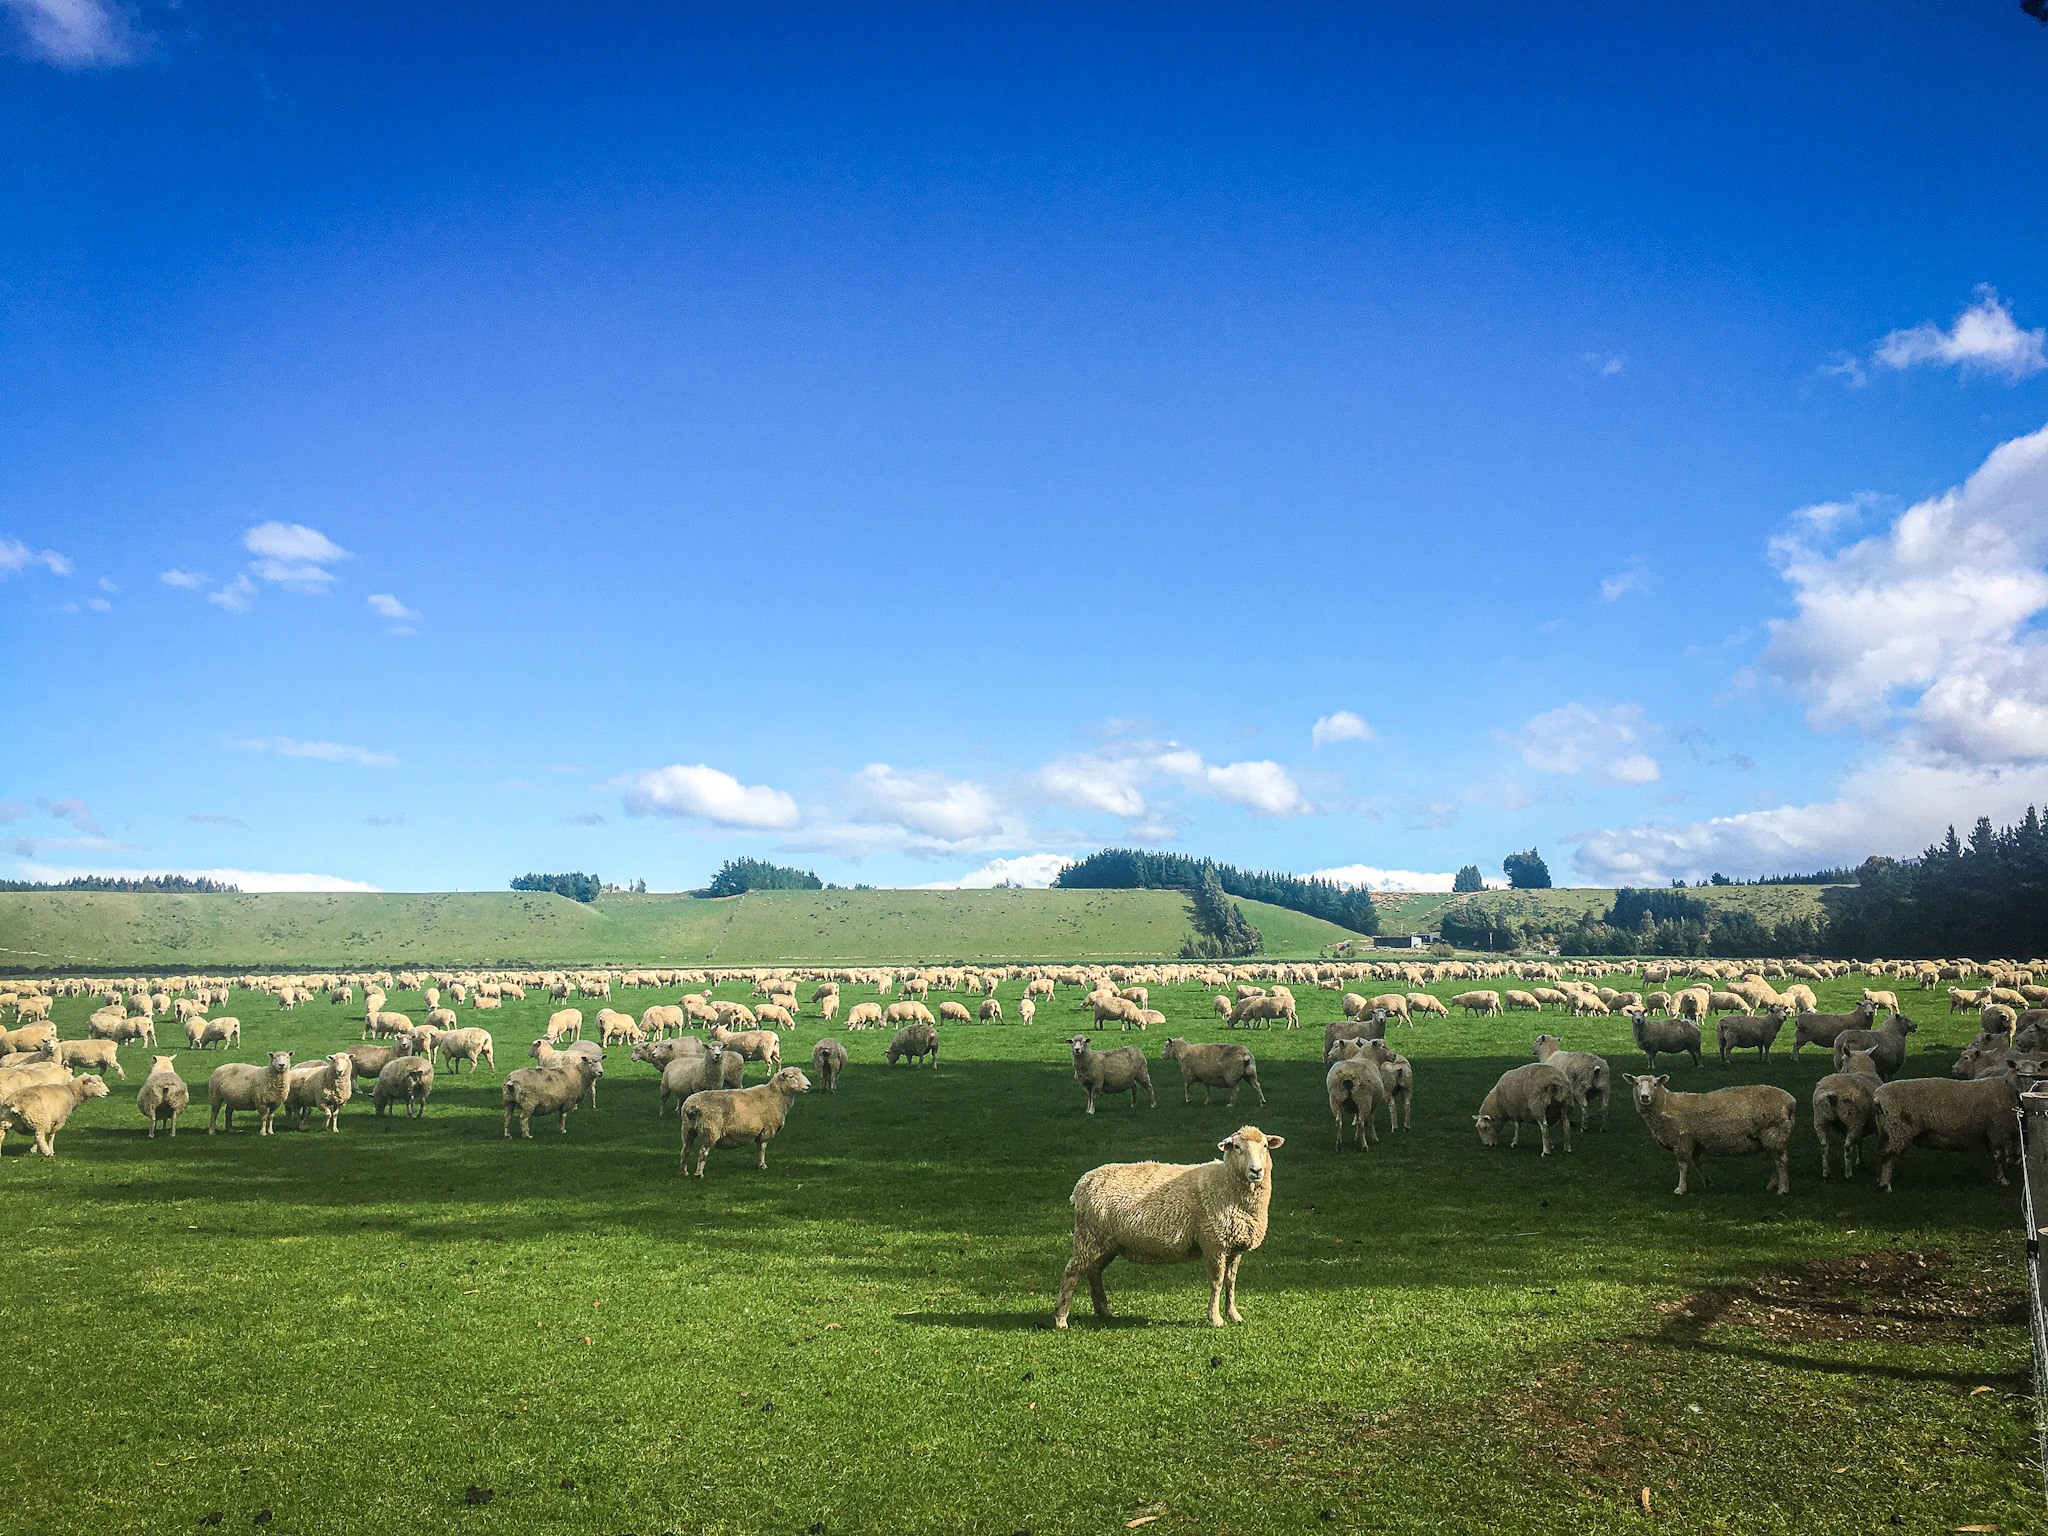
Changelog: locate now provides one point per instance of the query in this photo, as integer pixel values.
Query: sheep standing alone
(1589, 1074)
(1729, 1122)
(1486, 1002)
(1845, 1102)
(1672, 1037)
(548, 1090)
(1113, 1071)
(1169, 1213)
(459, 1045)
(732, 1117)
(1026, 1011)
(240, 1086)
(913, 1042)
(1538, 1094)
(405, 1080)
(1740, 1031)
(41, 1111)
(164, 1095)
(990, 1011)
(828, 1060)
(1227, 1065)
(1948, 1117)
(864, 1016)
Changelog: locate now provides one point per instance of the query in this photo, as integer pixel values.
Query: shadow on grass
(997, 1322)
(1785, 1359)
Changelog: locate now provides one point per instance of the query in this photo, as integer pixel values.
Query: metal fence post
(2033, 1113)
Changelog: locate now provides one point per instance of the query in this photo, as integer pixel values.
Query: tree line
(154, 884)
(1136, 869)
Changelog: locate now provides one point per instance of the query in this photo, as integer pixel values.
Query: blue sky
(922, 442)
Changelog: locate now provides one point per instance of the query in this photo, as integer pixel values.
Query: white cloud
(1984, 338)
(292, 555)
(389, 607)
(706, 794)
(322, 751)
(207, 819)
(253, 881)
(1604, 745)
(236, 596)
(1621, 583)
(31, 847)
(73, 33)
(99, 605)
(75, 812)
(1342, 726)
(1373, 878)
(107, 585)
(1931, 625)
(1606, 364)
(925, 801)
(1114, 778)
(1263, 787)
(16, 557)
(1031, 869)
(177, 578)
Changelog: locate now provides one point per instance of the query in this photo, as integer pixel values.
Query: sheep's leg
(1218, 1269)
(1567, 1129)
(1822, 1137)
(43, 1144)
(1781, 1171)
(1230, 1289)
(1091, 1099)
(1518, 1136)
(761, 1151)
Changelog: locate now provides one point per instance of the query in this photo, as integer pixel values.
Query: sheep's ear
(1663, 1078)
(1226, 1144)
(1275, 1141)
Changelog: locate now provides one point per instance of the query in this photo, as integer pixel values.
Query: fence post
(2033, 1113)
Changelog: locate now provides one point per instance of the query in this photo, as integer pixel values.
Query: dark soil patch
(1903, 1296)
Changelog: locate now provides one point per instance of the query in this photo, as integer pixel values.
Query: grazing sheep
(1588, 1073)
(471, 1045)
(549, 1090)
(97, 1055)
(1673, 1037)
(405, 1080)
(659, 1053)
(762, 1045)
(1525, 1001)
(1354, 1086)
(257, 1089)
(776, 1016)
(1887, 1046)
(908, 1012)
(864, 1016)
(380, 1025)
(1422, 1002)
(370, 1060)
(990, 1011)
(732, 1117)
(1538, 1094)
(1486, 1003)
(1801, 997)
(1821, 1028)
(1729, 1122)
(1948, 1117)
(914, 1041)
(1228, 1065)
(201, 1033)
(322, 1085)
(1740, 1031)
(564, 1024)
(1223, 1006)
(1262, 1009)
(164, 1095)
(828, 1060)
(614, 1027)
(685, 1075)
(1846, 1102)
(136, 1029)
(954, 1013)
(1113, 1071)
(1108, 1006)
(42, 1110)
(1026, 1011)
(1168, 1213)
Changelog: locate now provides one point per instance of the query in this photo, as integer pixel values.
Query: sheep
(1354, 1086)
(776, 1016)
(659, 1053)
(660, 1020)
(546, 1055)
(1398, 1074)
(1167, 1213)
(1108, 1006)
(370, 1060)
(829, 1007)
(42, 1110)
(1728, 1122)
(1589, 1075)
(1373, 1028)
(1538, 1094)
(1801, 997)
(1111, 1071)
(913, 1042)
(1887, 1046)
(685, 1075)
(549, 1090)
(322, 1085)
(1422, 1002)
(240, 1086)
(732, 1117)
(864, 1016)
(1845, 1101)
(1674, 1037)
(1691, 1005)
(1026, 1011)
(405, 1080)
(380, 1025)
(828, 1060)
(164, 1095)
(1262, 1009)
(1228, 1065)
(97, 1055)
(472, 1045)
(1525, 1001)
(1486, 1003)
(1948, 1117)
(1223, 1007)
(17, 1042)
(417, 1041)
(954, 1013)
(1821, 1028)
(907, 1012)
(990, 1011)
(564, 1023)
(1886, 1002)
(1739, 1031)
(138, 1029)
(202, 1033)
(762, 1045)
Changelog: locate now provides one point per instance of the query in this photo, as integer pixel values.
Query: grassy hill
(1409, 912)
(120, 930)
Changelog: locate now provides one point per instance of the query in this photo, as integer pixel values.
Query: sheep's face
(1078, 1045)
(1644, 1090)
(1906, 1025)
(1249, 1154)
(1489, 1127)
(1546, 1045)
(280, 1061)
(1171, 1050)
(792, 1080)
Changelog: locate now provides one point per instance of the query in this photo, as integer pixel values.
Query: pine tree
(1469, 879)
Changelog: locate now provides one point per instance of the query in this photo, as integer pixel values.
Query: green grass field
(352, 1332)
(104, 931)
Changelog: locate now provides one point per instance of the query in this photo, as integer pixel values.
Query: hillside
(119, 930)
(1770, 903)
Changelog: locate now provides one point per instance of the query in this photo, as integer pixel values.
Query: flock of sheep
(1145, 1212)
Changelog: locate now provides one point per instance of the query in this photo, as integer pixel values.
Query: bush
(1469, 879)
(735, 877)
(1526, 871)
(577, 887)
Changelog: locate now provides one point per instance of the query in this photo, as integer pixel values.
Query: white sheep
(685, 1075)
(1169, 1213)
(828, 1060)
(1845, 1102)
(471, 1045)
(1589, 1075)
(94, 1055)
(762, 1045)
(322, 1085)
(1948, 1117)
(1113, 1071)
(42, 1110)
(548, 1090)
(1026, 1011)
(241, 1086)
(1355, 1086)
(1729, 1122)
(1226, 1065)
(404, 1080)
(164, 1095)
(1539, 1094)
(732, 1117)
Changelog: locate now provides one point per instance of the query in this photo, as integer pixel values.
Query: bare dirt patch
(1894, 1295)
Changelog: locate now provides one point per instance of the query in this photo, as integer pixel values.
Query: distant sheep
(1485, 1003)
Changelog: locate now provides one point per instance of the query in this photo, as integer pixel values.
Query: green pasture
(121, 931)
(420, 1326)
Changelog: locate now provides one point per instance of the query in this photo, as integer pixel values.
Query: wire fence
(2033, 1113)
